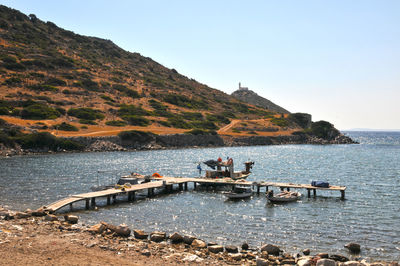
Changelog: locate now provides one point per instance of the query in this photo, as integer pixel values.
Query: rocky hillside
(48, 73)
(249, 96)
(54, 82)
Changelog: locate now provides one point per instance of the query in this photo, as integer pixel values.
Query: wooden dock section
(168, 182)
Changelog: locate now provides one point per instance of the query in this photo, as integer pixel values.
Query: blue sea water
(370, 215)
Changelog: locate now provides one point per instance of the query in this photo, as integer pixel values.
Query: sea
(370, 214)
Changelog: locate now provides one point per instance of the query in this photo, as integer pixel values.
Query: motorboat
(228, 171)
(239, 192)
(283, 196)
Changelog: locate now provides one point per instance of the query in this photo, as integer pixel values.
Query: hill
(249, 96)
(53, 80)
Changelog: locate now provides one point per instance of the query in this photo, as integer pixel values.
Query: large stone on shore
(120, 230)
(197, 243)
(188, 239)
(231, 249)
(39, 212)
(339, 258)
(323, 255)
(139, 234)
(262, 262)
(236, 256)
(156, 237)
(176, 238)
(72, 219)
(271, 249)
(245, 246)
(353, 263)
(353, 247)
(146, 252)
(288, 262)
(305, 262)
(306, 251)
(216, 248)
(326, 262)
(50, 218)
(22, 215)
(97, 228)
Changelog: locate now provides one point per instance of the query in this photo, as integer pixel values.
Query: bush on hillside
(116, 123)
(86, 113)
(125, 90)
(126, 109)
(45, 140)
(281, 122)
(39, 111)
(178, 122)
(204, 125)
(136, 120)
(218, 118)
(192, 116)
(43, 87)
(65, 127)
(198, 131)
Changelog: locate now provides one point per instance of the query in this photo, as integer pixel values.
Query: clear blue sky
(337, 60)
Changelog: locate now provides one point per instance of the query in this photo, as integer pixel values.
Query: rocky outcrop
(249, 96)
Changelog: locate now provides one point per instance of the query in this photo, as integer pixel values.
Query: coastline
(36, 237)
(177, 141)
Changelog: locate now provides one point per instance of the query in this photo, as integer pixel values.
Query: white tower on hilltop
(242, 88)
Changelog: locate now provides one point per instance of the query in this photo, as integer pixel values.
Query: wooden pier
(182, 182)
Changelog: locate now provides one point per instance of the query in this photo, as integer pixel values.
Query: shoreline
(176, 141)
(36, 237)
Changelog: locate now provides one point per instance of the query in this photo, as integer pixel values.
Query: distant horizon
(338, 61)
(371, 129)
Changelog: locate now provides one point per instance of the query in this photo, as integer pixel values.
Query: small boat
(284, 196)
(239, 192)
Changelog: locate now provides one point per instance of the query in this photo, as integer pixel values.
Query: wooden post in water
(114, 198)
(180, 186)
(108, 200)
(288, 188)
(342, 194)
(315, 192)
(87, 204)
(93, 202)
(308, 192)
(186, 186)
(70, 207)
(258, 189)
(194, 184)
(282, 188)
(266, 189)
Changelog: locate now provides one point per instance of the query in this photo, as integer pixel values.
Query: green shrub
(88, 84)
(125, 90)
(136, 120)
(178, 122)
(39, 111)
(164, 123)
(282, 122)
(192, 116)
(159, 109)
(301, 119)
(55, 82)
(65, 127)
(116, 123)
(107, 98)
(86, 113)
(201, 132)
(218, 118)
(87, 122)
(204, 125)
(183, 101)
(126, 109)
(12, 81)
(45, 140)
(43, 87)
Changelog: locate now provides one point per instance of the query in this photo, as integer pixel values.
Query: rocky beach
(37, 238)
